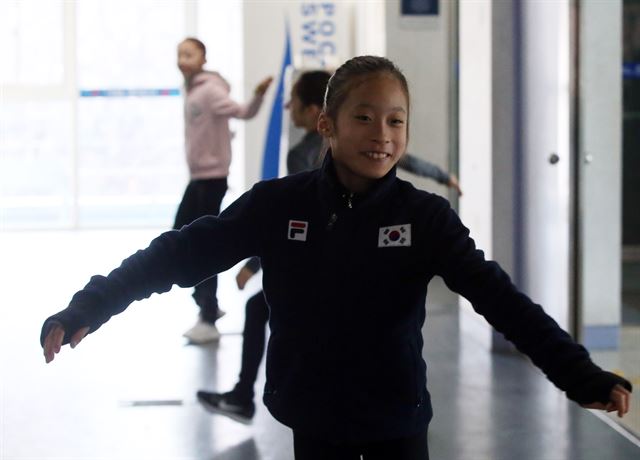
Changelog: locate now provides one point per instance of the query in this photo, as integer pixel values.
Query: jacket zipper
(349, 198)
(332, 220)
(334, 217)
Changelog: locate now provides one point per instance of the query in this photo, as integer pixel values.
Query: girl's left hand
(619, 400)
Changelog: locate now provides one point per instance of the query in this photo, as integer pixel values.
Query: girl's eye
(397, 121)
(362, 117)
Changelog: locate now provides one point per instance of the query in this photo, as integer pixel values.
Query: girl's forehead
(381, 90)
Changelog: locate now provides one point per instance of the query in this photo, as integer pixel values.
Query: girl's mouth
(377, 155)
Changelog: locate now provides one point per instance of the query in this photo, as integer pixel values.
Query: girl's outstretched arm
(186, 257)
(524, 323)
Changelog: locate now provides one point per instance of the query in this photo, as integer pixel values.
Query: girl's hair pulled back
(353, 72)
(199, 44)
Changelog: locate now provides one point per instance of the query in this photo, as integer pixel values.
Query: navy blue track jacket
(346, 280)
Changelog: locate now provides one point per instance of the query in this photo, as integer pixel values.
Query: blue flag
(271, 157)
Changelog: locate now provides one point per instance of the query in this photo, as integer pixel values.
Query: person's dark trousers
(201, 198)
(253, 341)
(411, 448)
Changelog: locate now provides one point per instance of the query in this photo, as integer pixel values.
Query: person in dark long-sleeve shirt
(347, 252)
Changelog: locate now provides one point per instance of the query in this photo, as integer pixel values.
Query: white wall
(600, 170)
(264, 38)
(510, 206)
(476, 124)
(421, 50)
(546, 130)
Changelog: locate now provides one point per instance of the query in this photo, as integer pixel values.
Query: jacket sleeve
(492, 294)
(423, 168)
(184, 257)
(223, 106)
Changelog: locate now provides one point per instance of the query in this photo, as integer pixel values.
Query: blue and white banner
(317, 36)
(136, 92)
(320, 33)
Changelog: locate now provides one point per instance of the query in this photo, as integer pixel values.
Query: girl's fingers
(78, 336)
(59, 338)
(620, 401)
(55, 337)
(620, 397)
(53, 342)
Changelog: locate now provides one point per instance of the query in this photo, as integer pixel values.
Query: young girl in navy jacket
(347, 253)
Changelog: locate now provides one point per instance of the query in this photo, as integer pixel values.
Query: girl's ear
(325, 125)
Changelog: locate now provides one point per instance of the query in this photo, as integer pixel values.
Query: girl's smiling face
(369, 134)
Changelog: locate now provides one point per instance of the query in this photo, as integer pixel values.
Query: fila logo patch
(298, 230)
(396, 235)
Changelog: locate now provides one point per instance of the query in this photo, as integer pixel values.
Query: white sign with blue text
(319, 33)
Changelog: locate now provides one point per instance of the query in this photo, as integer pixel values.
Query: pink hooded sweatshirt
(207, 109)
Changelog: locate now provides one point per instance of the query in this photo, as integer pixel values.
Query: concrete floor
(127, 392)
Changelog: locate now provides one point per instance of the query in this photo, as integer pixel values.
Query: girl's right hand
(55, 336)
(263, 86)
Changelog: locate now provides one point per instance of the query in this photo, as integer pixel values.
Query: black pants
(253, 341)
(413, 448)
(201, 198)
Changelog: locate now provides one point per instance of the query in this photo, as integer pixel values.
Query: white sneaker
(202, 332)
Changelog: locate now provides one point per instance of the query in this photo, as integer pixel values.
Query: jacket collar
(332, 190)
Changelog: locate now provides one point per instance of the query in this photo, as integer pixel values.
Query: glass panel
(625, 360)
(123, 44)
(31, 42)
(630, 334)
(132, 169)
(36, 180)
(631, 127)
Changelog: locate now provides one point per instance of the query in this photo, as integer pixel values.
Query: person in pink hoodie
(207, 110)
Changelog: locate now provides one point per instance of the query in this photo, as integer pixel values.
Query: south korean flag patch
(394, 236)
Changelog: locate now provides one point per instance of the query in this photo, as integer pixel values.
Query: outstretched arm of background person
(454, 184)
(222, 105)
(423, 168)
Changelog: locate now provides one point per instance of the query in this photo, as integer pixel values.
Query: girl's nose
(381, 135)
